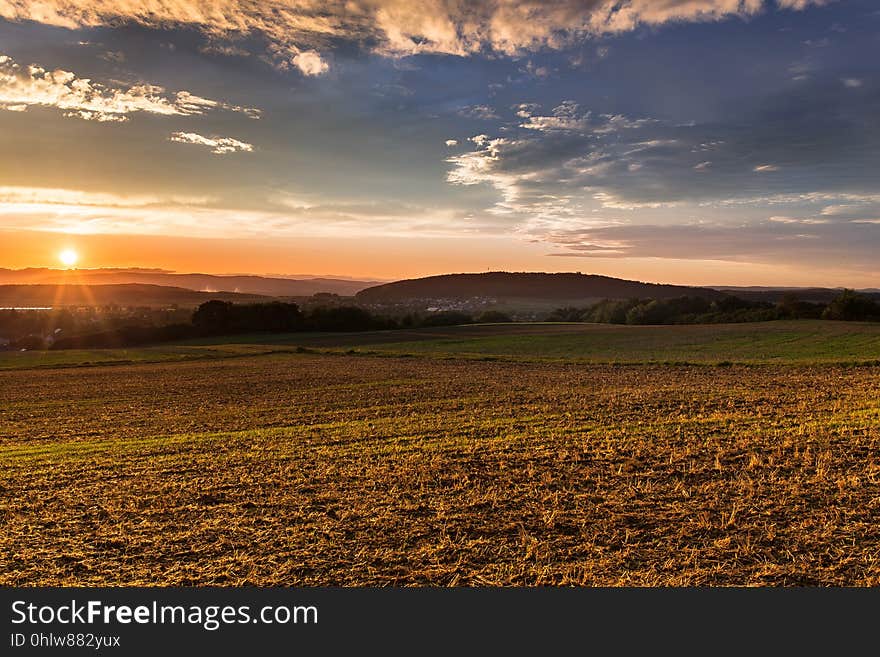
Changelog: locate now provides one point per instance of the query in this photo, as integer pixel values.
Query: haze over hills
(150, 287)
(131, 294)
(244, 284)
(523, 285)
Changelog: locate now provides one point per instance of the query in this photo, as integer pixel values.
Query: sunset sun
(68, 257)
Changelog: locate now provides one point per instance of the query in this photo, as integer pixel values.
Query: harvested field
(303, 469)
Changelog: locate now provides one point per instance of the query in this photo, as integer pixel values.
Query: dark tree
(494, 317)
(852, 307)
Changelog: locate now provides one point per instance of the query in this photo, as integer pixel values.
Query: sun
(68, 257)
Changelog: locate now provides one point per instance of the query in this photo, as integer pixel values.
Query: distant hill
(101, 295)
(506, 285)
(245, 284)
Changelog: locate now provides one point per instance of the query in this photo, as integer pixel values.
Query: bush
(447, 318)
(341, 318)
(610, 311)
(494, 317)
(852, 307)
(223, 317)
(567, 314)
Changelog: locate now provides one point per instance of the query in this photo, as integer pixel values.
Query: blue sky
(695, 141)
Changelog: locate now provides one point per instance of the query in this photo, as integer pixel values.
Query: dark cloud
(808, 138)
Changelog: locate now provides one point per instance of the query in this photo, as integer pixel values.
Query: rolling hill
(507, 285)
(243, 284)
(17, 296)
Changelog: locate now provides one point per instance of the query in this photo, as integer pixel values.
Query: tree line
(847, 306)
(225, 318)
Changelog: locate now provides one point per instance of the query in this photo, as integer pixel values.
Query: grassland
(803, 342)
(765, 342)
(249, 463)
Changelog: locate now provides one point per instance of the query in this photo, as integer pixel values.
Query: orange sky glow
(379, 258)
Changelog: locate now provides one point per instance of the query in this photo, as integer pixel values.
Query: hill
(244, 284)
(508, 285)
(17, 296)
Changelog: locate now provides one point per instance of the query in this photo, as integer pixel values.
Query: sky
(704, 142)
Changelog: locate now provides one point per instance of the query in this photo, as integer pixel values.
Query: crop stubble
(299, 469)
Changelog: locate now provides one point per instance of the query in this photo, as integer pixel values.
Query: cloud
(564, 117)
(595, 184)
(94, 212)
(851, 83)
(113, 56)
(800, 139)
(525, 110)
(481, 112)
(567, 117)
(297, 29)
(22, 87)
(53, 196)
(555, 165)
(451, 142)
(310, 63)
(624, 163)
(781, 240)
(532, 70)
(218, 145)
(801, 4)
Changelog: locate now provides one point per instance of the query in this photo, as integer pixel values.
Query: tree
(447, 318)
(213, 315)
(566, 314)
(851, 306)
(341, 318)
(494, 317)
(610, 311)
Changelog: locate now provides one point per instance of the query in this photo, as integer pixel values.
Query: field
(803, 342)
(518, 455)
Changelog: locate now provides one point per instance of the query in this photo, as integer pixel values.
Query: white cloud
(451, 142)
(567, 117)
(525, 110)
(841, 209)
(55, 196)
(851, 83)
(765, 168)
(310, 63)
(797, 220)
(482, 112)
(22, 87)
(218, 145)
